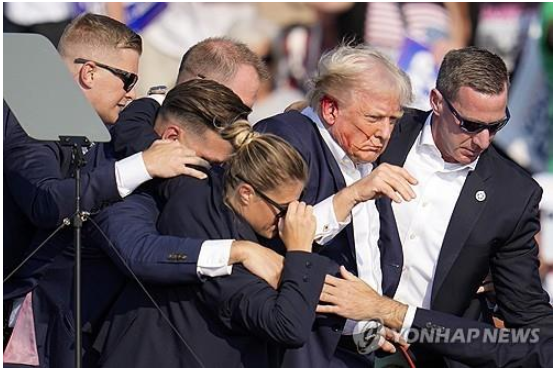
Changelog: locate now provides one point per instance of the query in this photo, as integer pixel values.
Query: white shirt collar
(338, 153)
(426, 139)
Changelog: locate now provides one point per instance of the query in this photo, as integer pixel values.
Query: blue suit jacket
(496, 235)
(326, 179)
(478, 353)
(37, 175)
(230, 321)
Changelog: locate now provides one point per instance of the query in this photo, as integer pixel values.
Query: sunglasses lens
(130, 82)
(472, 127)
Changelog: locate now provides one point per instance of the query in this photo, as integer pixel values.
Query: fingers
(386, 346)
(331, 292)
(396, 182)
(401, 185)
(326, 309)
(405, 173)
(194, 173)
(292, 209)
(195, 160)
(333, 281)
(347, 274)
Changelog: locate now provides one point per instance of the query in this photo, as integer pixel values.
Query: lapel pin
(481, 196)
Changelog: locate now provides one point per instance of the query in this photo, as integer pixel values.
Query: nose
(482, 139)
(384, 131)
(131, 95)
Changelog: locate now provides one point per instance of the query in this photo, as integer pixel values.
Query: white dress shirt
(364, 216)
(422, 222)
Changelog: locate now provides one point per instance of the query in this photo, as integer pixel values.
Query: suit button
(308, 264)
(336, 328)
(429, 325)
(305, 278)
(172, 257)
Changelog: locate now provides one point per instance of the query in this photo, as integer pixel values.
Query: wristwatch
(158, 89)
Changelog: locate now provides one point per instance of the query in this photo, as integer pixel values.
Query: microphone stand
(77, 144)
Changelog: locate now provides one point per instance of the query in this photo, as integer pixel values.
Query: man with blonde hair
(356, 99)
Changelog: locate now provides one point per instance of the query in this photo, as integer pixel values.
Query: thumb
(346, 274)
(163, 141)
(280, 226)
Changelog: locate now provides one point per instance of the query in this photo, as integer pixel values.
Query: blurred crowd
(291, 37)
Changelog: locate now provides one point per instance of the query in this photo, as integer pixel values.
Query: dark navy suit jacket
(231, 321)
(497, 234)
(37, 176)
(536, 352)
(326, 179)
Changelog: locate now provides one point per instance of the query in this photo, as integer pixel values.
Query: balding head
(228, 62)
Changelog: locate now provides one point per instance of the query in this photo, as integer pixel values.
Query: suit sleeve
(134, 130)
(248, 304)
(131, 227)
(44, 192)
(520, 296)
(467, 341)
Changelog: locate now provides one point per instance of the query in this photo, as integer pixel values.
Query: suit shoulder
(412, 116)
(510, 171)
(184, 188)
(293, 123)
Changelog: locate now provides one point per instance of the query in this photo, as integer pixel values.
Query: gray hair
(348, 69)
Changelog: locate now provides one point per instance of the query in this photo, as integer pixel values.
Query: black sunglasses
(475, 127)
(282, 208)
(129, 79)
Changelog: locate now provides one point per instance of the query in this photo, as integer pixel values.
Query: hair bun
(239, 133)
(248, 138)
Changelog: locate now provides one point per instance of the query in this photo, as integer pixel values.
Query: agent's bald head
(228, 62)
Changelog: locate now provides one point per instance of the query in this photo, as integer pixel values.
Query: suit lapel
(338, 179)
(467, 211)
(403, 138)
(339, 184)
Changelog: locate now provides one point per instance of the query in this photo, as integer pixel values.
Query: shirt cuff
(213, 258)
(131, 173)
(407, 322)
(327, 226)
(157, 97)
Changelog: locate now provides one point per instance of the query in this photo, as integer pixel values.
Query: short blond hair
(348, 69)
(94, 32)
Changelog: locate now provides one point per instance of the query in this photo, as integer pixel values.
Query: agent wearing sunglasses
(474, 210)
(102, 56)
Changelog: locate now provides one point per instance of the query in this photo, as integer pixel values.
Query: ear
(329, 109)
(172, 132)
(87, 75)
(436, 102)
(245, 193)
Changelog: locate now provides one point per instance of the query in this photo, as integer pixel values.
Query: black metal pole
(77, 224)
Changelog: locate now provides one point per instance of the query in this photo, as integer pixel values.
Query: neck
(436, 135)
